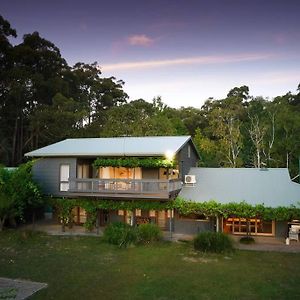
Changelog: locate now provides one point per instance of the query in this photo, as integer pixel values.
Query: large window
(64, 178)
(256, 226)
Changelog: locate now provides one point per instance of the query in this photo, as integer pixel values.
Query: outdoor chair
(294, 235)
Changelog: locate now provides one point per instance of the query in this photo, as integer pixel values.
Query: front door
(104, 217)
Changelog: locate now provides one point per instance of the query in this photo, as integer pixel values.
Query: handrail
(128, 186)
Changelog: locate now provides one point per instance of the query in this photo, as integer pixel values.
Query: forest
(44, 100)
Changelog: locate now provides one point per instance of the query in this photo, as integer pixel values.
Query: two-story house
(121, 168)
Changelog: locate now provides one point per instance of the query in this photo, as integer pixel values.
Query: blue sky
(184, 51)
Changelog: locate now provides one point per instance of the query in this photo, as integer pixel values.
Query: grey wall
(281, 229)
(113, 217)
(46, 173)
(185, 163)
(192, 226)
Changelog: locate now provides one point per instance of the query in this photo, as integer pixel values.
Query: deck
(125, 188)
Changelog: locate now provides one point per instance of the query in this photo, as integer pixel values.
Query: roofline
(195, 148)
(31, 153)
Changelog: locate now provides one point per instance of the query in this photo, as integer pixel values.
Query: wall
(192, 226)
(46, 173)
(150, 173)
(185, 162)
(281, 229)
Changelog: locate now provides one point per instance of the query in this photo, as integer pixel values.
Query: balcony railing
(138, 188)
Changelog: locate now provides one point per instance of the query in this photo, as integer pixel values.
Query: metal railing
(124, 186)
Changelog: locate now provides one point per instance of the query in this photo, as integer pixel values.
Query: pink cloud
(200, 60)
(140, 40)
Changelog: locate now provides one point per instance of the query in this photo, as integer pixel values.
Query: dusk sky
(184, 51)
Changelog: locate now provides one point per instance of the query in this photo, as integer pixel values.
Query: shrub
(247, 240)
(212, 242)
(120, 234)
(147, 233)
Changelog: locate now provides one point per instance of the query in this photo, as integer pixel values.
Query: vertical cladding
(46, 173)
(187, 159)
(192, 226)
(281, 229)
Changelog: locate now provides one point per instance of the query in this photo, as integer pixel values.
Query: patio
(261, 243)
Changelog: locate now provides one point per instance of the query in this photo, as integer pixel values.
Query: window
(120, 212)
(138, 212)
(256, 226)
(64, 178)
(189, 151)
(152, 214)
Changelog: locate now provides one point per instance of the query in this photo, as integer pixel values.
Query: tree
(26, 194)
(225, 122)
(7, 203)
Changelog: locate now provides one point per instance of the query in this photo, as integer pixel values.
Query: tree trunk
(2, 223)
(13, 155)
(33, 219)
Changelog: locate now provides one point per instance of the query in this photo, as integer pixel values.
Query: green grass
(87, 268)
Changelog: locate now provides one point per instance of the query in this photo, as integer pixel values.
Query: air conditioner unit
(190, 179)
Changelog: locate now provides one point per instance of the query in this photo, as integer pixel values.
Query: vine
(184, 207)
(241, 209)
(133, 162)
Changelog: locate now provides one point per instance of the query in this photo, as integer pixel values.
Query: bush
(247, 240)
(213, 242)
(147, 233)
(120, 234)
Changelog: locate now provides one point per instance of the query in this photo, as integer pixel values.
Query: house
(121, 168)
(271, 187)
(157, 170)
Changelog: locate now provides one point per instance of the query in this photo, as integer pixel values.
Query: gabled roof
(118, 146)
(271, 187)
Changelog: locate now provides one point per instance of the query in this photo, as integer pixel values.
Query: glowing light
(169, 155)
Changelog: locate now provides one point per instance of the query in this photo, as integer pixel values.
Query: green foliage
(25, 192)
(91, 208)
(212, 242)
(64, 208)
(247, 240)
(7, 204)
(18, 192)
(132, 162)
(241, 209)
(148, 233)
(120, 234)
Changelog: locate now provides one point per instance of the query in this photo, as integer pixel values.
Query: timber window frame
(64, 174)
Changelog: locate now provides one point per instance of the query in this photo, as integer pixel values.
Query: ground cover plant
(90, 268)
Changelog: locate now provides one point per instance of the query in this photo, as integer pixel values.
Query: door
(161, 219)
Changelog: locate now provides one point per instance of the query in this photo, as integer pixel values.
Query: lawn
(87, 268)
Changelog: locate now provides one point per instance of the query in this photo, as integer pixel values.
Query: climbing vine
(184, 207)
(133, 162)
(241, 209)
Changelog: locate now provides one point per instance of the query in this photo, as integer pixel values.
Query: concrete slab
(18, 289)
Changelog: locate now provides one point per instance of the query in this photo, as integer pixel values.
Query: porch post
(97, 222)
(217, 223)
(170, 222)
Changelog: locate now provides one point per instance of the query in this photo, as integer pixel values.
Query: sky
(184, 51)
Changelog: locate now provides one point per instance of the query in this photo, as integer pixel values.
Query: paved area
(261, 243)
(18, 289)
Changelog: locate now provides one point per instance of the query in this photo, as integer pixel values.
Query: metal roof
(271, 187)
(117, 146)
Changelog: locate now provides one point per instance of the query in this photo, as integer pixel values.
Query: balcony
(125, 188)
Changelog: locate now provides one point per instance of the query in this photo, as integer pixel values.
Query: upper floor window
(64, 174)
(189, 151)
